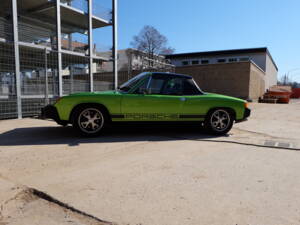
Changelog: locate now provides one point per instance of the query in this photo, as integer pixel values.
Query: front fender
(66, 104)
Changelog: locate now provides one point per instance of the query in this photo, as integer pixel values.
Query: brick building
(244, 73)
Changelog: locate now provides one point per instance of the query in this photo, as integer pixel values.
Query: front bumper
(50, 112)
(247, 113)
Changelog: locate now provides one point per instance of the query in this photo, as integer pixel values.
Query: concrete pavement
(164, 176)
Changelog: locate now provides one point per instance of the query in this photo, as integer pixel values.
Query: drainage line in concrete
(239, 143)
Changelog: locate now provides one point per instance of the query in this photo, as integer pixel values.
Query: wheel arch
(85, 105)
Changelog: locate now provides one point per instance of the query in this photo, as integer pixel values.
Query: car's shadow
(117, 133)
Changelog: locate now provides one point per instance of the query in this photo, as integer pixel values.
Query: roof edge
(229, 51)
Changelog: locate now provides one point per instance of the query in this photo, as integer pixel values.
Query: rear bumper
(247, 113)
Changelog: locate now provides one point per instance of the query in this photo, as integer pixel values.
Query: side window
(156, 85)
(169, 86)
(189, 87)
(173, 86)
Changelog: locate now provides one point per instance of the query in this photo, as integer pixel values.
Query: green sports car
(149, 97)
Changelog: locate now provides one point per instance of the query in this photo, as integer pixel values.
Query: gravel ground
(154, 175)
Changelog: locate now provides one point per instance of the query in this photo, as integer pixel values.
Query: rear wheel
(89, 121)
(219, 121)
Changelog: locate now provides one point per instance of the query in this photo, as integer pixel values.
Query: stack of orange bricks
(280, 93)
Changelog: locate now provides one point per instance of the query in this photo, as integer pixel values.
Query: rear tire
(219, 121)
(89, 121)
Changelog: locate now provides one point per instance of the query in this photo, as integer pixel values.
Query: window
(157, 84)
(233, 60)
(185, 63)
(244, 59)
(142, 89)
(132, 82)
(221, 60)
(169, 85)
(190, 88)
(180, 86)
(195, 62)
(205, 61)
(173, 86)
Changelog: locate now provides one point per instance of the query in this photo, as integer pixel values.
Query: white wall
(271, 73)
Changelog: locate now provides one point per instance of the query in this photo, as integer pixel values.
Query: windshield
(132, 82)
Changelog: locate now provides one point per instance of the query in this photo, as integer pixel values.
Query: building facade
(245, 73)
(135, 60)
(47, 50)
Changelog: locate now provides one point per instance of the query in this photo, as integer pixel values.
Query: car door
(151, 102)
(195, 102)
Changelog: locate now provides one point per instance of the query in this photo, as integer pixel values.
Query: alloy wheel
(91, 120)
(220, 120)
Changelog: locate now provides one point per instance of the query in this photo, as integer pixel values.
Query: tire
(89, 121)
(219, 121)
(64, 124)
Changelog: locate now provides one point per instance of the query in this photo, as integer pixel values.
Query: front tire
(219, 121)
(89, 121)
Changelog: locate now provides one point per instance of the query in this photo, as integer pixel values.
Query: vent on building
(185, 63)
(244, 59)
(221, 60)
(232, 60)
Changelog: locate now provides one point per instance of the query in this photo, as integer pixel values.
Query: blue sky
(205, 25)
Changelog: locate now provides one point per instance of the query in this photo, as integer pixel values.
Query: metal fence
(30, 37)
(39, 78)
(8, 100)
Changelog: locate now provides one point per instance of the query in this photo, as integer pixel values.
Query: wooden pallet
(269, 100)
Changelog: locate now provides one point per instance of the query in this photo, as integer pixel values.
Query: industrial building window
(221, 60)
(233, 60)
(204, 61)
(244, 59)
(195, 62)
(185, 63)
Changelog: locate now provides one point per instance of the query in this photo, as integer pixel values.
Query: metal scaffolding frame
(90, 32)
(59, 51)
(17, 57)
(115, 43)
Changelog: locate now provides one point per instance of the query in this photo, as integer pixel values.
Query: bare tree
(151, 41)
(285, 79)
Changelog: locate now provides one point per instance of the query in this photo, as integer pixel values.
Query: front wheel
(219, 121)
(89, 121)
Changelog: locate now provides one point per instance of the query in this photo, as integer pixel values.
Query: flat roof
(222, 52)
(171, 74)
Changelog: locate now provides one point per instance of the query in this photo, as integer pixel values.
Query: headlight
(246, 104)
